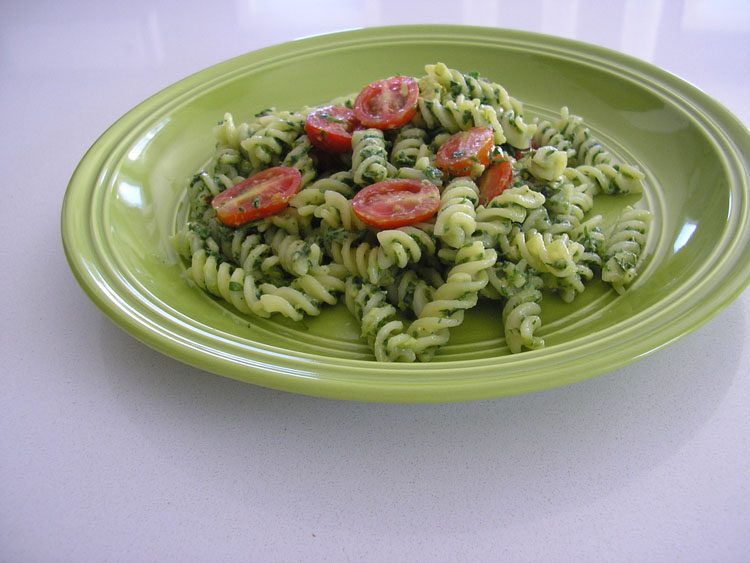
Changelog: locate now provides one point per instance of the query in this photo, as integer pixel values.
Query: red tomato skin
(494, 181)
(261, 195)
(330, 128)
(388, 103)
(396, 203)
(459, 155)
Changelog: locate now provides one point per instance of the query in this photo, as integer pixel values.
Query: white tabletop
(112, 451)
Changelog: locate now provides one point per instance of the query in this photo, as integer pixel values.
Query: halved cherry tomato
(396, 203)
(260, 195)
(388, 103)
(330, 128)
(495, 180)
(462, 152)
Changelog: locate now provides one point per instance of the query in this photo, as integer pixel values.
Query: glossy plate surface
(121, 205)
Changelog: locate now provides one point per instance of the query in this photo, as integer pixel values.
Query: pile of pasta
(409, 286)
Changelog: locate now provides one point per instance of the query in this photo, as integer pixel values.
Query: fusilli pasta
(409, 285)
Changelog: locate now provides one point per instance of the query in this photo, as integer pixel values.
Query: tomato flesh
(388, 103)
(330, 128)
(495, 180)
(396, 203)
(465, 151)
(260, 195)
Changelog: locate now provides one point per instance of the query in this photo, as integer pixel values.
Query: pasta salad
(411, 202)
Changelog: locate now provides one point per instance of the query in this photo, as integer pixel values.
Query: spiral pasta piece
(364, 260)
(509, 111)
(257, 258)
(507, 277)
(521, 320)
(369, 157)
(275, 135)
(512, 206)
(545, 252)
(322, 284)
(289, 220)
(470, 85)
(588, 150)
(538, 219)
(187, 243)
(227, 167)
(206, 185)
(307, 200)
(615, 178)
(230, 135)
(341, 182)
(408, 146)
(569, 287)
(411, 292)
(518, 286)
(516, 131)
(336, 212)
(377, 318)
(459, 114)
(590, 235)
(296, 256)
(208, 273)
(459, 292)
(423, 169)
(287, 301)
(546, 163)
(242, 291)
(299, 158)
(547, 135)
(456, 218)
(406, 245)
(568, 206)
(624, 247)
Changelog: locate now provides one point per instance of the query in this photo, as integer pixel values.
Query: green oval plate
(121, 206)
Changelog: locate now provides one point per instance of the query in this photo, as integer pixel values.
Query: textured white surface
(111, 451)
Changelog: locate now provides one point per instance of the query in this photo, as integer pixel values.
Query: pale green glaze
(120, 209)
